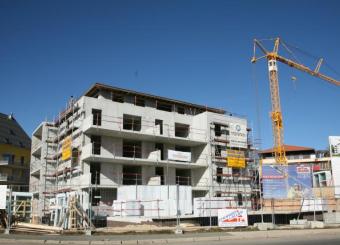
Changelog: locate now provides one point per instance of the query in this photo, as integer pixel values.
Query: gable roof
(289, 148)
(12, 133)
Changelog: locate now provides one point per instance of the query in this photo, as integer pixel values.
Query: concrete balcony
(14, 165)
(153, 158)
(35, 166)
(111, 126)
(36, 148)
(3, 177)
(9, 179)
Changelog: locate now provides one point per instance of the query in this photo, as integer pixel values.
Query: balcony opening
(9, 158)
(163, 106)
(118, 98)
(22, 161)
(159, 124)
(219, 172)
(131, 122)
(180, 110)
(183, 176)
(239, 199)
(181, 130)
(218, 130)
(95, 199)
(108, 195)
(159, 171)
(75, 157)
(132, 175)
(199, 193)
(236, 173)
(132, 149)
(221, 130)
(182, 148)
(160, 147)
(95, 173)
(218, 150)
(96, 144)
(97, 117)
(139, 102)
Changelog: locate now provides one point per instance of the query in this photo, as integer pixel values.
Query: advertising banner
(179, 156)
(292, 181)
(66, 150)
(232, 217)
(235, 159)
(334, 148)
(3, 189)
(334, 145)
(238, 135)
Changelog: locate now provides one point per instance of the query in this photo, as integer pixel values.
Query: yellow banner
(236, 159)
(66, 148)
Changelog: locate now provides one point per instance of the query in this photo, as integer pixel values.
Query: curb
(232, 236)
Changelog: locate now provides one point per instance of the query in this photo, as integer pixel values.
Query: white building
(122, 138)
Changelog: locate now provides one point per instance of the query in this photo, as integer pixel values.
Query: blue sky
(197, 51)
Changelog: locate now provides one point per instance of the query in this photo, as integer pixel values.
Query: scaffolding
(53, 168)
(238, 186)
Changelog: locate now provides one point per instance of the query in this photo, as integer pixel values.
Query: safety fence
(76, 206)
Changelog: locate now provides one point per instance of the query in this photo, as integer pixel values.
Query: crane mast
(276, 114)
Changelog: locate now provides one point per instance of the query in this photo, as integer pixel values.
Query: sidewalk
(162, 238)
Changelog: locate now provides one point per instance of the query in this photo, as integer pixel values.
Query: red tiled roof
(289, 148)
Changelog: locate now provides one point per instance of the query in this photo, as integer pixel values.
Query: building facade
(115, 145)
(15, 147)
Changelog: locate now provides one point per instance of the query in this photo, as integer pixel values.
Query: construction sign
(66, 149)
(235, 159)
(232, 217)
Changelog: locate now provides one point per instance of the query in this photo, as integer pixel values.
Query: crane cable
(258, 106)
(314, 57)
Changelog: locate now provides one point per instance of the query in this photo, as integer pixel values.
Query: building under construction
(120, 153)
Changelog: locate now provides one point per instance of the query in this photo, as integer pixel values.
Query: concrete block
(116, 242)
(299, 223)
(265, 226)
(75, 242)
(129, 242)
(332, 218)
(147, 241)
(317, 224)
(178, 231)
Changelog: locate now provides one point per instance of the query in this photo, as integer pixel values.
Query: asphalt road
(321, 237)
(310, 240)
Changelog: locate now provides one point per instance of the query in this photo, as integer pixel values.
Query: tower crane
(276, 114)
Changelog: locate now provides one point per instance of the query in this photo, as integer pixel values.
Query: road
(278, 237)
(311, 240)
